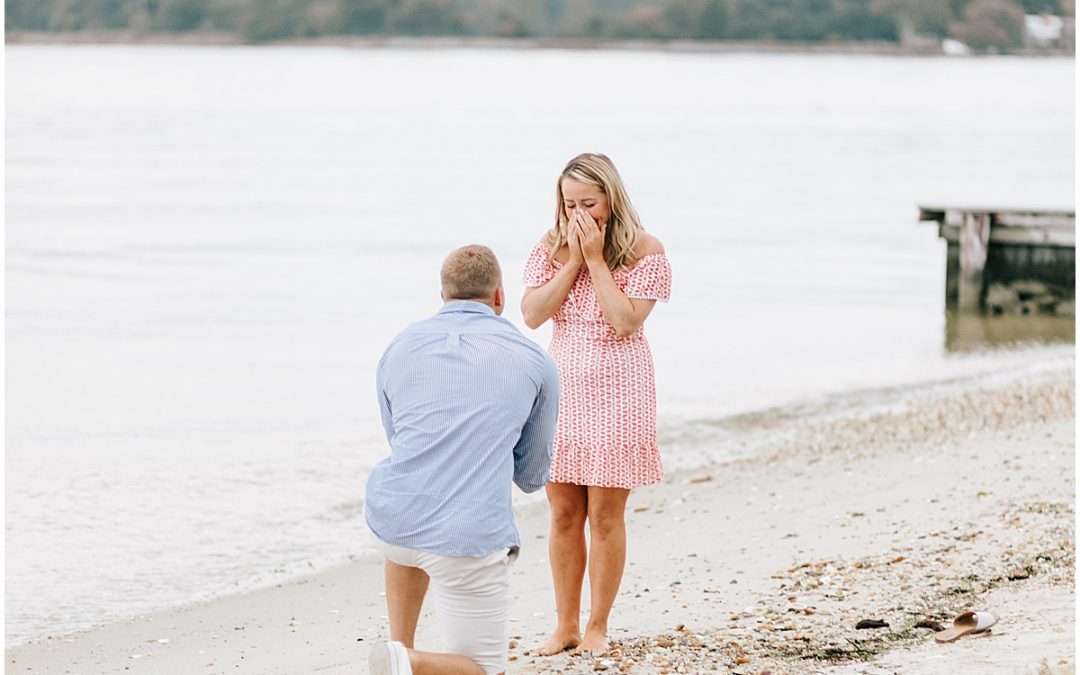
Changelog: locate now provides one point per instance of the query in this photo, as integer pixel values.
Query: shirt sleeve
(649, 279)
(538, 268)
(532, 454)
(384, 402)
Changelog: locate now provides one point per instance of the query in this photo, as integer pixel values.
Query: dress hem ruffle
(627, 466)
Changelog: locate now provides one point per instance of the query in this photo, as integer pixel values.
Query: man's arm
(532, 454)
(384, 402)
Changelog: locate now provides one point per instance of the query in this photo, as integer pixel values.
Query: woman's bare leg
(567, 555)
(607, 558)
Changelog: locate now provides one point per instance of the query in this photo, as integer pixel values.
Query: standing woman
(597, 275)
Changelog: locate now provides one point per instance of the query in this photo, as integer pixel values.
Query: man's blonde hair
(470, 273)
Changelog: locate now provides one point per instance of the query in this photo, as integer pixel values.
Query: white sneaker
(389, 658)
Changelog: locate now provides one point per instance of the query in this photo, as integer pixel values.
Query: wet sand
(959, 500)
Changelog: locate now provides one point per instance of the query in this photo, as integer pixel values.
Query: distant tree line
(983, 24)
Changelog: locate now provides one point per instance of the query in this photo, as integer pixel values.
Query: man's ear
(499, 301)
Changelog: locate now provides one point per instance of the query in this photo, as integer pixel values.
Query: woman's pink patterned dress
(606, 433)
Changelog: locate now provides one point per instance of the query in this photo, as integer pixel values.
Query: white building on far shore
(1043, 30)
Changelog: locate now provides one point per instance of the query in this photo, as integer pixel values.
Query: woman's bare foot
(560, 641)
(595, 642)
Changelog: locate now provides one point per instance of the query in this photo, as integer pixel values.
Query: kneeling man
(469, 406)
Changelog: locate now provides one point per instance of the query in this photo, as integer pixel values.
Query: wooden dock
(1008, 261)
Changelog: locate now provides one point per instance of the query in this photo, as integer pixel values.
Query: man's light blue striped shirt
(469, 405)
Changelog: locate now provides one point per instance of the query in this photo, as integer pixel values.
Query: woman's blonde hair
(623, 223)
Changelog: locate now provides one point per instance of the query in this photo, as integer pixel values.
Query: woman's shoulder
(542, 250)
(647, 244)
(541, 247)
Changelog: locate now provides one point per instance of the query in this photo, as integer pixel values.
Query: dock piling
(1017, 261)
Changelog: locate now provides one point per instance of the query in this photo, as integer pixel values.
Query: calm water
(208, 248)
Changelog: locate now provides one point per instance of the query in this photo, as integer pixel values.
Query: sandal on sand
(968, 622)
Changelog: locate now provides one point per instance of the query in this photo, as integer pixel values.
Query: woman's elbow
(626, 330)
(532, 319)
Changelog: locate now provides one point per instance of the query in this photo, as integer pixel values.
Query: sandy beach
(911, 513)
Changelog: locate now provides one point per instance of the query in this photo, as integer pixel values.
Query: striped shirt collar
(467, 306)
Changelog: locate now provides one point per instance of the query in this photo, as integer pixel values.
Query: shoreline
(103, 37)
(692, 444)
(817, 516)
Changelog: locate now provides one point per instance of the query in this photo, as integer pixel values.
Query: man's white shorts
(472, 600)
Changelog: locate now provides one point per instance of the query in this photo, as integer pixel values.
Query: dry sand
(959, 500)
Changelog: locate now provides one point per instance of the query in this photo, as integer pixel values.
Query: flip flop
(968, 622)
